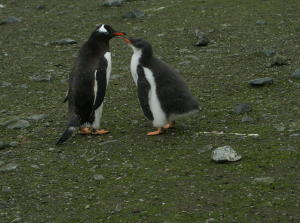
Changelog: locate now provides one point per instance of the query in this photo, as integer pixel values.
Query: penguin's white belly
(134, 65)
(107, 56)
(159, 116)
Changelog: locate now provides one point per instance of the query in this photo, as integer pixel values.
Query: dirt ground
(126, 176)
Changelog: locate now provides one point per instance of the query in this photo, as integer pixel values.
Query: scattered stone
(16, 220)
(225, 154)
(98, 177)
(202, 39)
(41, 78)
(242, 108)
(183, 63)
(210, 220)
(296, 74)
(247, 119)
(295, 135)
(123, 89)
(19, 124)
(2, 6)
(9, 121)
(112, 2)
(4, 145)
(9, 167)
(261, 81)
(192, 57)
(269, 52)
(6, 189)
(264, 180)
(38, 117)
(5, 84)
(41, 7)
(135, 13)
(205, 148)
(10, 20)
(115, 76)
(260, 22)
(66, 41)
(279, 60)
(25, 86)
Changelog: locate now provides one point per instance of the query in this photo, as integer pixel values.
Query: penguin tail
(72, 126)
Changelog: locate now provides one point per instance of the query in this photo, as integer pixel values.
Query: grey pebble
(4, 145)
(135, 13)
(279, 60)
(296, 74)
(38, 117)
(41, 78)
(66, 41)
(225, 154)
(98, 177)
(260, 22)
(269, 52)
(19, 124)
(5, 84)
(242, 108)
(261, 81)
(112, 2)
(9, 167)
(10, 20)
(295, 135)
(247, 119)
(264, 180)
(25, 86)
(202, 39)
(183, 63)
(115, 76)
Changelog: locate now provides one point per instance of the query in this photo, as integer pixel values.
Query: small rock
(269, 53)
(6, 189)
(247, 119)
(279, 60)
(25, 86)
(261, 81)
(202, 39)
(115, 76)
(225, 154)
(123, 89)
(5, 84)
(279, 127)
(183, 63)
(264, 180)
(66, 41)
(295, 126)
(19, 124)
(40, 7)
(112, 2)
(38, 117)
(211, 220)
(98, 177)
(2, 6)
(16, 220)
(242, 108)
(10, 20)
(4, 145)
(9, 167)
(41, 78)
(296, 74)
(9, 121)
(135, 13)
(192, 57)
(260, 22)
(295, 135)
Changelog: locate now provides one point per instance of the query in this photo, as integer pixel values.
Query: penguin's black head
(106, 32)
(139, 45)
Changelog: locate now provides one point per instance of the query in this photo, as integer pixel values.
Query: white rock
(225, 154)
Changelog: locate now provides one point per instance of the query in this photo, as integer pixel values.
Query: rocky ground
(240, 60)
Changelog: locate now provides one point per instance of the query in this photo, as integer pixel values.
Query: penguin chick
(162, 93)
(88, 82)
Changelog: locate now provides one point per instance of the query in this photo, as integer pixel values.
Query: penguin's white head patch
(102, 29)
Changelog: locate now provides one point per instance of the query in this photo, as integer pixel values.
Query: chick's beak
(119, 34)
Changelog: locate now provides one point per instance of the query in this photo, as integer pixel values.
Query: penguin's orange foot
(85, 131)
(100, 132)
(169, 125)
(157, 132)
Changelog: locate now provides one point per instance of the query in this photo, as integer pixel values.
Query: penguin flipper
(100, 77)
(143, 91)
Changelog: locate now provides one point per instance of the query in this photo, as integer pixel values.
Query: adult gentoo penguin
(88, 81)
(162, 93)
